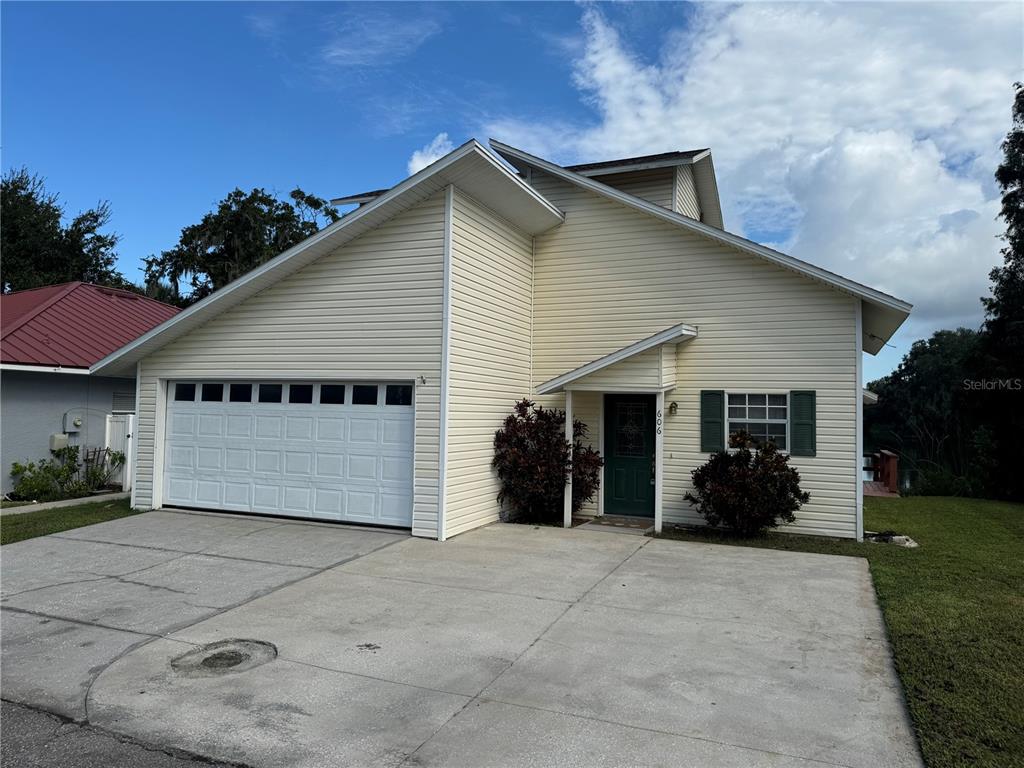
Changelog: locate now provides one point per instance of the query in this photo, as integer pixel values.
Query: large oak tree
(244, 231)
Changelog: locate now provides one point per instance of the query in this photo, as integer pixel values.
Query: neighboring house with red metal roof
(49, 337)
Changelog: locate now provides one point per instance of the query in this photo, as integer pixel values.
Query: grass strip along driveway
(31, 524)
(955, 613)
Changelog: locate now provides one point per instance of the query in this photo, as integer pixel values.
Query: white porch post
(567, 498)
(659, 453)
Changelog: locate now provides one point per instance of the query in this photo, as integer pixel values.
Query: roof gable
(673, 335)
(882, 313)
(472, 168)
(75, 324)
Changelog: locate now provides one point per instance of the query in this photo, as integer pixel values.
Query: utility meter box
(58, 441)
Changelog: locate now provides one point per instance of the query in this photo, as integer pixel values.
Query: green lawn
(28, 525)
(955, 613)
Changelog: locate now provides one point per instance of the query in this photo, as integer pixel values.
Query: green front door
(629, 455)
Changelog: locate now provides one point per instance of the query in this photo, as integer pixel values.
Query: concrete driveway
(507, 646)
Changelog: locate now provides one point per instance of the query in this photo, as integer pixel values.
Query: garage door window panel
(213, 393)
(300, 394)
(270, 393)
(398, 394)
(332, 394)
(364, 394)
(184, 392)
(240, 393)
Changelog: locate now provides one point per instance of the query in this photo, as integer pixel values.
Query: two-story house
(360, 376)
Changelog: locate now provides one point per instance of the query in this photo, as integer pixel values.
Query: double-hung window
(764, 416)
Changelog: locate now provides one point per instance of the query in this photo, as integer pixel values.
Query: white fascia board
(868, 397)
(654, 164)
(212, 304)
(43, 369)
(498, 165)
(726, 238)
(671, 335)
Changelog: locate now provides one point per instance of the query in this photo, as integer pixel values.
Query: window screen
(124, 402)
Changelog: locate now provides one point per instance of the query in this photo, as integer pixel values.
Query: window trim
(787, 421)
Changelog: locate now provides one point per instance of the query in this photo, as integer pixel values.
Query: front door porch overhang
(646, 367)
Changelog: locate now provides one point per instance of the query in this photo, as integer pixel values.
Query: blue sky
(821, 117)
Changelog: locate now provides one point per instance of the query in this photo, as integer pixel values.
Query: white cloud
(263, 26)
(438, 147)
(860, 137)
(368, 36)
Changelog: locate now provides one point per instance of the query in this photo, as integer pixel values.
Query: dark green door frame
(629, 440)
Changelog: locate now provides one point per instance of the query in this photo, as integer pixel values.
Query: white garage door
(329, 450)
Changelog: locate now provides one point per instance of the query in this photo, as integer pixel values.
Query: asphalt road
(34, 739)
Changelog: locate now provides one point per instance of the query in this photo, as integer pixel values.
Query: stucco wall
(35, 405)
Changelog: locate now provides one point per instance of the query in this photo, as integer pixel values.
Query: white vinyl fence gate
(120, 427)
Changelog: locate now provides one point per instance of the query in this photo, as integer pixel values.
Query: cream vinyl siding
(586, 407)
(642, 371)
(686, 193)
(656, 185)
(488, 353)
(370, 310)
(669, 368)
(610, 276)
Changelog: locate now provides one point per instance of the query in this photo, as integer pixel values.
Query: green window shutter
(802, 423)
(712, 420)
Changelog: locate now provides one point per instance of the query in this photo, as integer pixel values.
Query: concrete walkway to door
(506, 646)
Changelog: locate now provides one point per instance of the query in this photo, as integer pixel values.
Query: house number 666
(658, 422)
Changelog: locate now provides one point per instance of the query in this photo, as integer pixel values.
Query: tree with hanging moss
(245, 230)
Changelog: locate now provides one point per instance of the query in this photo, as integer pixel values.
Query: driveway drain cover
(225, 657)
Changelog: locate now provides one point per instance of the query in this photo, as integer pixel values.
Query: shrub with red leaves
(533, 461)
(747, 491)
